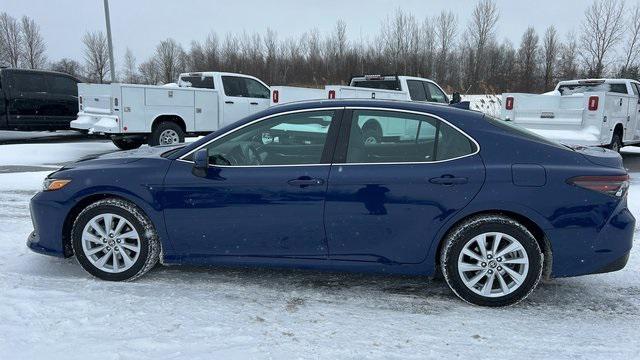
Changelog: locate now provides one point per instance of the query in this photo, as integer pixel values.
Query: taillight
(509, 103)
(275, 96)
(115, 102)
(593, 103)
(80, 102)
(332, 94)
(610, 185)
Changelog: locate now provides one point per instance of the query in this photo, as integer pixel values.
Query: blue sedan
(376, 186)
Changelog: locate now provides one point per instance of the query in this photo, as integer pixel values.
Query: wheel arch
(534, 227)
(173, 118)
(87, 199)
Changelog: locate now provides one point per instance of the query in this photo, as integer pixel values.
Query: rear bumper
(97, 123)
(580, 251)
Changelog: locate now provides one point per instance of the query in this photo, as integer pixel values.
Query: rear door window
(28, 82)
(256, 90)
(62, 85)
(416, 90)
(234, 86)
(405, 138)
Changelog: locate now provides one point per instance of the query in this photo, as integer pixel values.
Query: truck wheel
(166, 133)
(127, 143)
(616, 142)
(372, 132)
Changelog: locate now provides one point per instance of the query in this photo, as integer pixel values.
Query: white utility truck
(382, 87)
(590, 112)
(200, 103)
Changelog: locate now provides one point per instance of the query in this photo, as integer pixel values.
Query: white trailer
(201, 102)
(590, 112)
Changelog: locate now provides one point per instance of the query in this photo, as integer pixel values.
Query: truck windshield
(377, 84)
(201, 82)
(587, 88)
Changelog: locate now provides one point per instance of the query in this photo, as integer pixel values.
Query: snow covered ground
(50, 308)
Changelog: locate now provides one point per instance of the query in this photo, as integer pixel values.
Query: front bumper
(48, 218)
(96, 123)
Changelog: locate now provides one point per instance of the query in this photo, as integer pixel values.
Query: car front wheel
(114, 240)
(491, 260)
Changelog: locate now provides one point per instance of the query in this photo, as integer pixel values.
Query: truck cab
(37, 100)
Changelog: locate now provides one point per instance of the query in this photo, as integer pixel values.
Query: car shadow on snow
(412, 294)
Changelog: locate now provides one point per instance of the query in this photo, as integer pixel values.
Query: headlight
(54, 184)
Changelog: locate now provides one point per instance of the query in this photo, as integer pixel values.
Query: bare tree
(633, 40)
(602, 30)
(169, 58)
(67, 66)
(149, 72)
(481, 30)
(33, 45)
(568, 59)
(11, 36)
(446, 29)
(550, 53)
(96, 55)
(129, 71)
(527, 60)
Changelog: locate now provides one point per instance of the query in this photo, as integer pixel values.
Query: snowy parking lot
(50, 307)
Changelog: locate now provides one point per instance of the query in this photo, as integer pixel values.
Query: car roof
(442, 110)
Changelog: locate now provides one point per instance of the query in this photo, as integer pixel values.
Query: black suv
(37, 100)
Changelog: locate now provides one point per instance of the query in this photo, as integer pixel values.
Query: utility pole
(112, 65)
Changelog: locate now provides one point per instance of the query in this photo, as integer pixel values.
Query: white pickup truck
(200, 103)
(382, 87)
(590, 112)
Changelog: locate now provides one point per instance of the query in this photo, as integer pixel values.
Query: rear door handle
(305, 181)
(448, 180)
(253, 103)
(228, 102)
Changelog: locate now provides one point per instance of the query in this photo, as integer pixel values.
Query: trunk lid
(600, 156)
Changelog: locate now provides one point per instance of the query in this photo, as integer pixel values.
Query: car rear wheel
(114, 240)
(491, 260)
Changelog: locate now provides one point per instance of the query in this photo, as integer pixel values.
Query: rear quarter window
(28, 82)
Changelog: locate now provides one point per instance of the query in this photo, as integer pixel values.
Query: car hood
(122, 157)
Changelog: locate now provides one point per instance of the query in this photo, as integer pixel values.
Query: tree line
(461, 57)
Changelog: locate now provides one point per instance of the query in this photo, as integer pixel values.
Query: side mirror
(200, 163)
(456, 98)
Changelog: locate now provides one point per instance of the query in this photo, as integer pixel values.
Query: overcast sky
(141, 24)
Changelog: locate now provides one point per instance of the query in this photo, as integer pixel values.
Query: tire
(616, 142)
(371, 132)
(148, 246)
(468, 236)
(127, 143)
(164, 132)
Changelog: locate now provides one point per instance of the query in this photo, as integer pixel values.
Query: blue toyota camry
(379, 186)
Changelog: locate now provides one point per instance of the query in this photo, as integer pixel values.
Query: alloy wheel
(111, 243)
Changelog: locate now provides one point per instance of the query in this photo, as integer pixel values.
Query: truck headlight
(54, 184)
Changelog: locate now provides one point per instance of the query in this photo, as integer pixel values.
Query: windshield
(587, 88)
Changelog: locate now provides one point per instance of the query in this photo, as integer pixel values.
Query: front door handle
(305, 181)
(253, 103)
(448, 180)
(228, 102)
